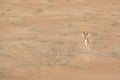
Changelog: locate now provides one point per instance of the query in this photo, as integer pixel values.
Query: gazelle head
(85, 34)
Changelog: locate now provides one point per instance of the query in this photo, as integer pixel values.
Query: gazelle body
(86, 41)
(86, 44)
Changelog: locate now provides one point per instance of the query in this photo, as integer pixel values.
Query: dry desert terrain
(44, 40)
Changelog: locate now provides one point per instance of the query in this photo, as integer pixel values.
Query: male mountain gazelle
(86, 40)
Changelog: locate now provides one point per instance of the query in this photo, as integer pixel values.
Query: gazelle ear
(88, 35)
(85, 33)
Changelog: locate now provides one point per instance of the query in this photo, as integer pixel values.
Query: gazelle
(86, 40)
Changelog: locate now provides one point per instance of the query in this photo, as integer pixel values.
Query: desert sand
(44, 40)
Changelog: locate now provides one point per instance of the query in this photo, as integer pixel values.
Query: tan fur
(86, 40)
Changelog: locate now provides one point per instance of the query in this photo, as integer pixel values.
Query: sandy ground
(43, 40)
